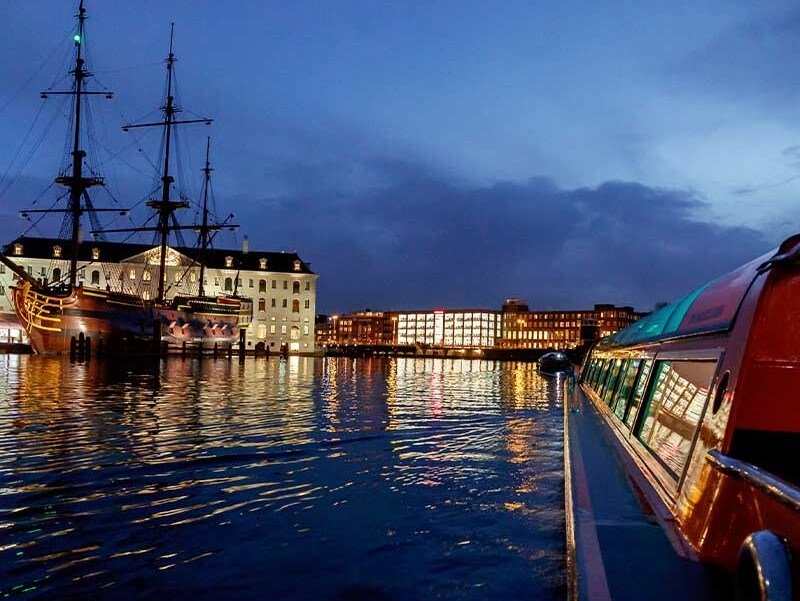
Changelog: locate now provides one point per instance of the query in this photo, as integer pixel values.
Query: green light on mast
(77, 38)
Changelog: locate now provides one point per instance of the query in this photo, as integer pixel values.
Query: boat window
(611, 365)
(611, 381)
(632, 409)
(598, 373)
(673, 409)
(625, 387)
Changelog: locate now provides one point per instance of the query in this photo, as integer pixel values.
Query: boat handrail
(783, 491)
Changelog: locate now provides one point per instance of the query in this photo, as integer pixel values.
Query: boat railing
(781, 490)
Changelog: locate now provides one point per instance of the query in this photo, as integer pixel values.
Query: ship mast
(204, 229)
(165, 207)
(75, 182)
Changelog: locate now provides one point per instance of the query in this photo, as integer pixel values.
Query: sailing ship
(56, 313)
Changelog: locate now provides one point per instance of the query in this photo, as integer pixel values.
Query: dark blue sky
(448, 153)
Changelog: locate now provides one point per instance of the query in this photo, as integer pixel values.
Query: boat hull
(116, 323)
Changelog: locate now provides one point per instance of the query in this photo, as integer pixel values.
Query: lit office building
(449, 328)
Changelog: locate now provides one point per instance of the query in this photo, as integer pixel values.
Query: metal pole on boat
(242, 344)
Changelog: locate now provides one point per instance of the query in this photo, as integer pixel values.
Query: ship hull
(116, 323)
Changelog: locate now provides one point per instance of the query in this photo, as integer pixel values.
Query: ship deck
(618, 548)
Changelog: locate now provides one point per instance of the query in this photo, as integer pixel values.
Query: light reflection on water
(308, 478)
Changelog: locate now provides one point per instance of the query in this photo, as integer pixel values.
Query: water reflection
(331, 478)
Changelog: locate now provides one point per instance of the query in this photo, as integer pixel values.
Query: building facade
(526, 329)
(374, 328)
(477, 328)
(282, 286)
(514, 327)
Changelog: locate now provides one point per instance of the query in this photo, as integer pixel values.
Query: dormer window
(297, 265)
(56, 252)
(228, 261)
(18, 249)
(262, 263)
(95, 254)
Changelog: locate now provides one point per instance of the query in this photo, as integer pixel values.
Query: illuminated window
(95, 254)
(192, 277)
(272, 328)
(305, 330)
(146, 294)
(283, 329)
(177, 277)
(18, 249)
(262, 330)
(229, 261)
(262, 263)
(57, 251)
(297, 265)
(295, 334)
(146, 276)
(132, 274)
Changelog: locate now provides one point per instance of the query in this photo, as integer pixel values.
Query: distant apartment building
(359, 328)
(281, 285)
(514, 327)
(537, 329)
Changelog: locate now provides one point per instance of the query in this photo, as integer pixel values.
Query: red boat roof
(712, 307)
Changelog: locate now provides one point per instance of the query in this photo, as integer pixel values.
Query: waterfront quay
(298, 478)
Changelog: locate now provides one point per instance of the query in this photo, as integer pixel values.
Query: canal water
(302, 479)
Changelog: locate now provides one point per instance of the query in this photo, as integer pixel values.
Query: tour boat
(56, 313)
(702, 403)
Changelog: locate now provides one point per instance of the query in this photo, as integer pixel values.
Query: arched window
(295, 306)
(56, 274)
(95, 278)
(146, 276)
(295, 287)
(262, 285)
(295, 333)
(262, 304)
(262, 330)
(228, 284)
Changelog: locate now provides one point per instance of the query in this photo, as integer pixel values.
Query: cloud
(421, 240)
